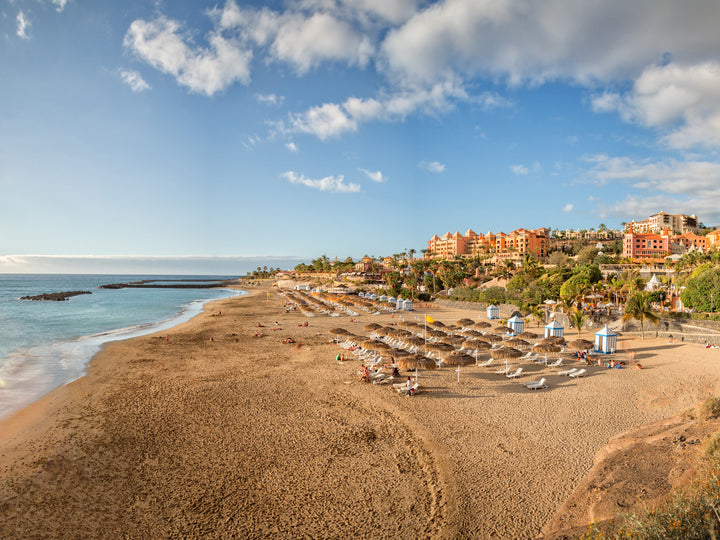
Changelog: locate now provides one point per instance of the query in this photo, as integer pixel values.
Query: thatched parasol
(436, 333)
(476, 344)
(546, 348)
(473, 333)
(581, 344)
(384, 331)
(400, 333)
(375, 345)
(517, 342)
(505, 353)
(441, 347)
(415, 341)
(501, 330)
(482, 324)
(338, 331)
(437, 324)
(492, 338)
(554, 340)
(465, 322)
(405, 324)
(455, 341)
(372, 326)
(527, 335)
(458, 359)
(415, 362)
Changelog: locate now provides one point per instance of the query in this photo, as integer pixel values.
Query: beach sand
(252, 437)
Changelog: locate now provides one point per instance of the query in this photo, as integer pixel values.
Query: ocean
(44, 345)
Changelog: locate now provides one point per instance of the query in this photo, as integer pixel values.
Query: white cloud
(375, 176)
(329, 183)
(134, 80)
(23, 26)
(432, 166)
(305, 42)
(291, 146)
(328, 120)
(60, 4)
(688, 187)
(204, 70)
(270, 99)
(333, 119)
(684, 99)
(568, 207)
(520, 170)
(519, 40)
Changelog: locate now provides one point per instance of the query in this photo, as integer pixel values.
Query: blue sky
(215, 129)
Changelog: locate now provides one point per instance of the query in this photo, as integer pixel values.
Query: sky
(206, 130)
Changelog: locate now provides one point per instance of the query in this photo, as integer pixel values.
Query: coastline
(252, 437)
(76, 353)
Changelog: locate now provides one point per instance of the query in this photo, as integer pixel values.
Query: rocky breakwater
(55, 296)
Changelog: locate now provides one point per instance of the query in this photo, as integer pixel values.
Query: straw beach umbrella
(581, 344)
(516, 342)
(415, 362)
(465, 322)
(505, 353)
(482, 324)
(554, 340)
(492, 338)
(372, 326)
(473, 333)
(455, 341)
(527, 335)
(459, 360)
(546, 348)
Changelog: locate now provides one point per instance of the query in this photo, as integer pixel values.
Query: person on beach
(409, 385)
(364, 374)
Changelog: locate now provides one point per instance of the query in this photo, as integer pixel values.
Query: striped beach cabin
(493, 312)
(605, 341)
(554, 329)
(516, 325)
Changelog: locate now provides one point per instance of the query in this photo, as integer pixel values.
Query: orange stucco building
(515, 244)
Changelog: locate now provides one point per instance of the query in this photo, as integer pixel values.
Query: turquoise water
(44, 345)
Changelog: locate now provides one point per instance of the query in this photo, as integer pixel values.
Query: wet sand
(251, 437)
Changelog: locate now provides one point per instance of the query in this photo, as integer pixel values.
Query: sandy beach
(216, 433)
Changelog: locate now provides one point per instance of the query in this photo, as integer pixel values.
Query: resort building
(713, 238)
(513, 245)
(691, 241)
(655, 224)
(646, 245)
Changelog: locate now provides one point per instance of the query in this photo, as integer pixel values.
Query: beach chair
(485, 363)
(568, 372)
(517, 373)
(579, 373)
(556, 363)
(403, 389)
(504, 371)
(536, 385)
(528, 356)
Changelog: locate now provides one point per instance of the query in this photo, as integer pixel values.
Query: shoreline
(251, 437)
(87, 346)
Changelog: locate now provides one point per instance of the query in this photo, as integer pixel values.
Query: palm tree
(638, 307)
(577, 317)
(538, 312)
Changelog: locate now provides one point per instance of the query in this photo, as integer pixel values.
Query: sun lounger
(485, 363)
(580, 373)
(556, 363)
(504, 371)
(536, 385)
(514, 375)
(403, 388)
(568, 371)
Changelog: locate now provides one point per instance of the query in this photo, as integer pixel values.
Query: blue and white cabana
(372, 296)
(361, 294)
(383, 298)
(399, 303)
(554, 329)
(493, 312)
(407, 305)
(392, 300)
(516, 325)
(605, 341)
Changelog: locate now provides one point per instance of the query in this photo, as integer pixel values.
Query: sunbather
(409, 385)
